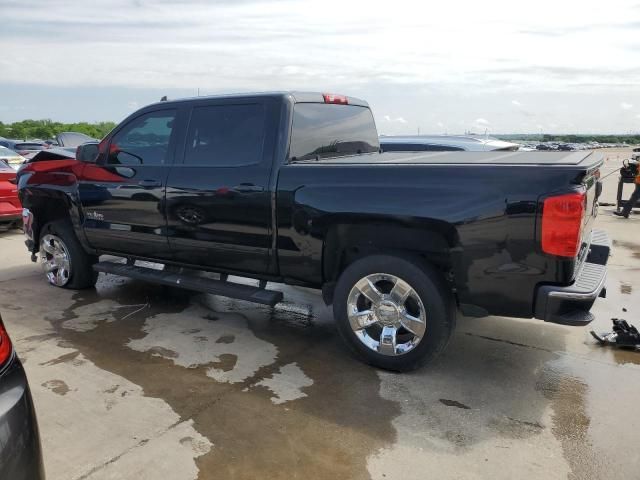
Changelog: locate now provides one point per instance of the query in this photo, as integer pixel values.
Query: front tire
(392, 313)
(65, 263)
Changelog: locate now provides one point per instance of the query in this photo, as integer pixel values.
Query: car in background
(10, 207)
(24, 148)
(69, 140)
(566, 147)
(11, 158)
(28, 149)
(544, 147)
(72, 139)
(444, 143)
(20, 450)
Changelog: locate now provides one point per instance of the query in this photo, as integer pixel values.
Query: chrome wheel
(56, 260)
(386, 314)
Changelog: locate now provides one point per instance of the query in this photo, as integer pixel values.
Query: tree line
(46, 129)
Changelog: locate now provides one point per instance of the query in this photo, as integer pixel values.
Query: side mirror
(87, 152)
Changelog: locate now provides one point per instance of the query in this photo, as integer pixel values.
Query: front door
(218, 204)
(122, 196)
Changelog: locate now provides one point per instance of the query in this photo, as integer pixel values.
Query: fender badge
(95, 216)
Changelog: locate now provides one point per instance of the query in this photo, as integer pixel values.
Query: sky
(552, 66)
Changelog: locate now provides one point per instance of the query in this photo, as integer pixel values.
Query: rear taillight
(562, 220)
(5, 345)
(331, 98)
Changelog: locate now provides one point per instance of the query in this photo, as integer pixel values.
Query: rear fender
(346, 243)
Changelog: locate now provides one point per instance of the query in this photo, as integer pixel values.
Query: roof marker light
(332, 98)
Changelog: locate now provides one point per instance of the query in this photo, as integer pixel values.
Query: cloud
(387, 118)
(153, 46)
(626, 106)
(440, 124)
(482, 121)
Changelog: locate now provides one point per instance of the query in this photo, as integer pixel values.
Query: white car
(442, 143)
(12, 158)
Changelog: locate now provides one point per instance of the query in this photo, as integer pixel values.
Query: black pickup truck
(294, 188)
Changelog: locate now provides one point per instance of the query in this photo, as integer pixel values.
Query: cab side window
(225, 135)
(144, 140)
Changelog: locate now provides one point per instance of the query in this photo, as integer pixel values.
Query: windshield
(7, 152)
(73, 139)
(28, 146)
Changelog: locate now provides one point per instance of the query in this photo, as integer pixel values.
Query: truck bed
(583, 158)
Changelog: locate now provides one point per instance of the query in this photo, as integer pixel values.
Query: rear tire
(62, 254)
(410, 320)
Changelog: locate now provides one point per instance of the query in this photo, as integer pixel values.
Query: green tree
(46, 129)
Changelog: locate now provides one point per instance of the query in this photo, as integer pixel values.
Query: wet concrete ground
(132, 380)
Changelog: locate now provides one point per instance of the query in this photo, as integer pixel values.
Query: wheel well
(345, 244)
(46, 211)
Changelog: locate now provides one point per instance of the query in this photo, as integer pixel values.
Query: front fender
(51, 195)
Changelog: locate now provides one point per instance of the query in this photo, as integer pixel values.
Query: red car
(10, 207)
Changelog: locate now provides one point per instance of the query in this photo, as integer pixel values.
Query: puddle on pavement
(327, 431)
(57, 386)
(634, 247)
(342, 420)
(624, 356)
(571, 421)
(454, 403)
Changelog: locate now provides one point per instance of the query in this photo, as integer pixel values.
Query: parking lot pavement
(137, 381)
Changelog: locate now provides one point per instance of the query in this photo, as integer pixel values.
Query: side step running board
(190, 282)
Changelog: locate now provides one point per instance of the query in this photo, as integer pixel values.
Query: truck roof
(295, 97)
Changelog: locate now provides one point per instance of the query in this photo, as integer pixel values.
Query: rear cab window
(324, 130)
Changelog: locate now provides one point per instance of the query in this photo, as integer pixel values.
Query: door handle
(248, 188)
(149, 183)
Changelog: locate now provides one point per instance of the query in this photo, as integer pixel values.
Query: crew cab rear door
(218, 202)
(123, 204)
